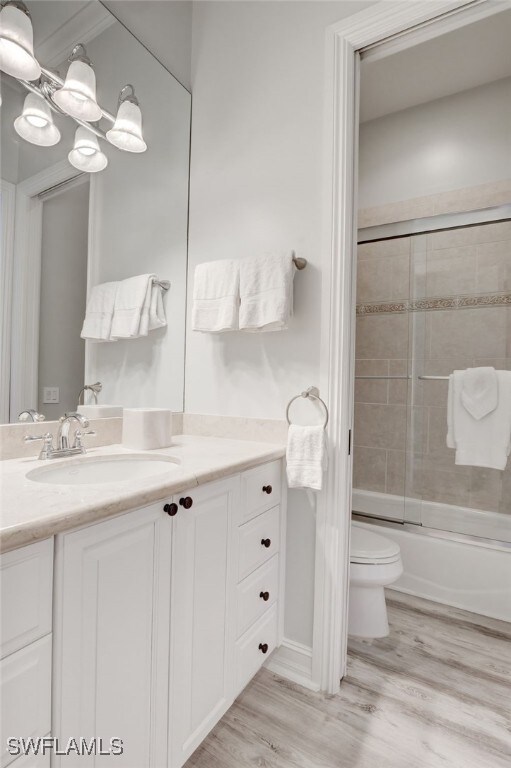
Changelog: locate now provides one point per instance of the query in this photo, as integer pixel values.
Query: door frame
(406, 23)
(26, 287)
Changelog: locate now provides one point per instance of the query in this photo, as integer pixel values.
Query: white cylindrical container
(146, 428)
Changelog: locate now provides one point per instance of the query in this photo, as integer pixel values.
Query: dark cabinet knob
(266, 542)
(186, 502)
(267, 489)
(263, 647)
(170, 509)
(264, 595)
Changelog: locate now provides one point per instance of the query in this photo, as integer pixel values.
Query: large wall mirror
(80, 209)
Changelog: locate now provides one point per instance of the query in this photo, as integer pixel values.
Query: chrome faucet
(65, 426)
(64, 448)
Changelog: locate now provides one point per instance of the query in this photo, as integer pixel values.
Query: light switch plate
(51, 395)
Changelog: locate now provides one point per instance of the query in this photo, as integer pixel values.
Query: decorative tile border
(438, 303)
(373, 309)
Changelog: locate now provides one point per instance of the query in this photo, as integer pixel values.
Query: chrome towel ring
(313, 393)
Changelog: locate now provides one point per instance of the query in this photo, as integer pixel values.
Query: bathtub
(440, 561)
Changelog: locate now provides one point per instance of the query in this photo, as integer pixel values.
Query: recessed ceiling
(472, 55)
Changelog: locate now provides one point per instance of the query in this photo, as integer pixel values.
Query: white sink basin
(103, 469)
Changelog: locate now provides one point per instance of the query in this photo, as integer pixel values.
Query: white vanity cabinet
(203, 594)
(226, 584)
(112, 619)
(26, 581)
(161, 616)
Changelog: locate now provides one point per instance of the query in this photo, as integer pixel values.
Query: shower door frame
(406, 23)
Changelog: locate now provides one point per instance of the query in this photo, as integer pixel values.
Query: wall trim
(294, 662)
(343, 43)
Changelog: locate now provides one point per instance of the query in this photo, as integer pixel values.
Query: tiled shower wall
(428, 304)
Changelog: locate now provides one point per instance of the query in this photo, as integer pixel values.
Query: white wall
(63, 290)
(258, 75)
(139, 211)
(458, 141)
(164, 27)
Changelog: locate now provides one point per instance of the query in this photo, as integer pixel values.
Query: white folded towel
(306, 457)
(138, 308)
(216, 298)
(480, 440)
(480, 391)
(266, 293)
(97, 324)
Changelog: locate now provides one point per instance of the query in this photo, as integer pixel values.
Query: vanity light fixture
(73, 97)
(77, 96)
(35, 124)
(17, 42)
(126, 132)
(86, 154)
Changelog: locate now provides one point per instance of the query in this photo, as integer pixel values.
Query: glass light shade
(126, 132)
(17, 44)
(77, 96)
(35, 124)
(86, 154)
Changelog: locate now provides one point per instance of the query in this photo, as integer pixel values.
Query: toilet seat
(370, 548)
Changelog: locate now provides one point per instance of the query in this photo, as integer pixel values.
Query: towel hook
(313, 394)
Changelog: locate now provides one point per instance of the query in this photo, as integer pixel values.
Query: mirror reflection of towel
(138, 308)
(97, 324)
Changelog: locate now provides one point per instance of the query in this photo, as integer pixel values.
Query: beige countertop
(31, 511)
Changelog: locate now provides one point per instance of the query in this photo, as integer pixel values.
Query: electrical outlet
(51, 395)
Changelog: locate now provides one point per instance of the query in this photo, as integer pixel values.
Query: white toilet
(375, 562)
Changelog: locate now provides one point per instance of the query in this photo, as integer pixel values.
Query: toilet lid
(369, 547)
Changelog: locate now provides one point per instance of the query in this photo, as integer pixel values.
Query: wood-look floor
(435, 694)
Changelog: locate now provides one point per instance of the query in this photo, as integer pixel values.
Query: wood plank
(435, 693)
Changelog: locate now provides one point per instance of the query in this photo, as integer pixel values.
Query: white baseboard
(294, 662)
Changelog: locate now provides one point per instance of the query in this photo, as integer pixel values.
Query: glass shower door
(382, 384)
(459, 317)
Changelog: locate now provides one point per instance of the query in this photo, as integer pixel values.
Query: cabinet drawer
(26, 577)
(256, 594)
(249, 648)
(25, 684)
(258, 541)
(254, 499)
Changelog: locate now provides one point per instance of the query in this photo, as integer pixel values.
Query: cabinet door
(25, 694)
(112, 636)
(203, 622)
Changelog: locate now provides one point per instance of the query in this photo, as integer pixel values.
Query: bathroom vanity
(156, 615)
